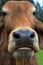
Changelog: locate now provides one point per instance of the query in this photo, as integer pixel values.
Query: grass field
(39, 56)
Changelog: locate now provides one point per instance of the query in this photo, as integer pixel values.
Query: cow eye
(34, 13)
(4, 14)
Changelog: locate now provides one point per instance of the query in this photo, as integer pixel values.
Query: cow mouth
(24, 48)
(23, 52)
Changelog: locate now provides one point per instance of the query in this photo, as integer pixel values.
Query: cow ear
(1, 21)
(41, 40)
(1, 25)
(1, 29)
(39, 30)
(3, 14)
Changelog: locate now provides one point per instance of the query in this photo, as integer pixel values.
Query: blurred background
(39, 15)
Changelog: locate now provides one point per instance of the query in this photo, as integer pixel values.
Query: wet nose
(23, 35)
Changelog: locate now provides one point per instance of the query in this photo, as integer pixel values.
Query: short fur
(19, 14)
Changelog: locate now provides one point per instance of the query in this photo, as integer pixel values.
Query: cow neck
(26, 61)
(21, 61)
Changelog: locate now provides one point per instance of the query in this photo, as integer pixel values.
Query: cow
(21, 34)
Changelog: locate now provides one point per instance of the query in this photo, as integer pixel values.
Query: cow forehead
(13, 5)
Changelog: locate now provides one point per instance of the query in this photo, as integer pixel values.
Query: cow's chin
(23, 53)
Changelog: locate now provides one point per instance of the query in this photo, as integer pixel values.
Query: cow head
(24, 31)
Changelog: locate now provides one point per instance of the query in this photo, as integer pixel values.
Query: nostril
(32, 35)
(16, 36)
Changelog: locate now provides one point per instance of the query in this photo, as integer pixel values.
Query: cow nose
(23, 37)
(23, 34)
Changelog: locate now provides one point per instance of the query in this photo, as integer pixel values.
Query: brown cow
(21, 34)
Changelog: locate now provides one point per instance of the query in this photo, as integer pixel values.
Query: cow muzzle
(23, 42)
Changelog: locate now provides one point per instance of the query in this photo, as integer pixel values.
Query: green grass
(39, 56)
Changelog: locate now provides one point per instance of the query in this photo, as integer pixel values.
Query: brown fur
(19, 14)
